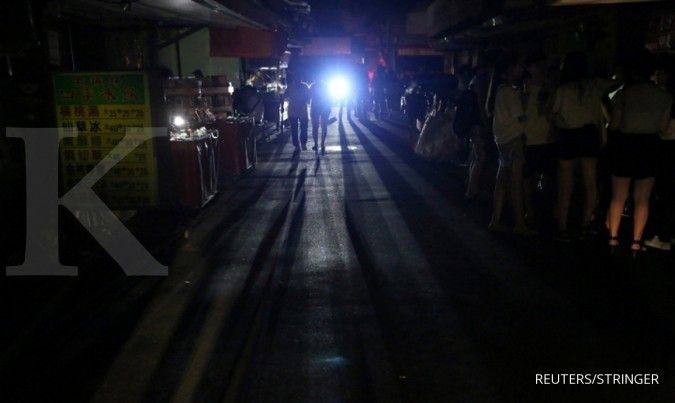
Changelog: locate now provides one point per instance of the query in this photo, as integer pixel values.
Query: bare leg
(565, 187)
(620, 187)
(589, 178)
(641, 192)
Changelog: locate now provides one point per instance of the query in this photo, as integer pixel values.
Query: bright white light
(338, 87)
(178, 121)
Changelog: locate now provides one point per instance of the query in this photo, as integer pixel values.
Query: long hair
(575, 71)
(640, 65)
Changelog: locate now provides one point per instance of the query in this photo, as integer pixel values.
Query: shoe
(656, 243)
(563, 236)
(304, 147)
(315, 147)
(323, 149)
(637, 248)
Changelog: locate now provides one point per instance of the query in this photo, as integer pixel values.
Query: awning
(328, 46)
(515, 25)
(247, 42)
(162, 12)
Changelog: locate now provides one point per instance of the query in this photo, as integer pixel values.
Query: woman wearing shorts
(664, 185)
(577, 115)
(641, 111)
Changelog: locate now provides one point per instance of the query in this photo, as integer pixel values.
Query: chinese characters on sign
(101, 106)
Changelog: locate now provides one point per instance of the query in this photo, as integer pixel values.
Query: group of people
(555, 128)
(563, 127)
(317, 95)
(299, 94)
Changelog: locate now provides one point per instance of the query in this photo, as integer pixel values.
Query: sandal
(637, 248)
(613, 244)
(563, 236)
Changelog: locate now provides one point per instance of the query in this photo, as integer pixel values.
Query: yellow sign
(101, 106)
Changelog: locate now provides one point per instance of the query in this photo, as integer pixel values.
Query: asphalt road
(358, 275)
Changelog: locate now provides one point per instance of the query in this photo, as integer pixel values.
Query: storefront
(113, 71)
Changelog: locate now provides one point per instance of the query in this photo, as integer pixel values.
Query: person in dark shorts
(577, 116)
(664, 186)
(641, 111)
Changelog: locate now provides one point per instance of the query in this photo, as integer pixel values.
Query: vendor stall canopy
(162, 12)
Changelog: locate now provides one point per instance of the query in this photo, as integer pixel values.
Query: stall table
(236, 151)
(196, 175)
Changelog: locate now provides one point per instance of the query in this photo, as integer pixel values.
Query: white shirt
(508, 108)
(641, 108)
(537, 127)
(576, 105)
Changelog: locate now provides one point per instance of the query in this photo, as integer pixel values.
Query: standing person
(665, 177)
(470, 125)
(346, 101)
(540, 151)
(297, 94)
(415, 105)
(379, 92)
(361, 83)
(446, 89)
(577, 115)
(641, 111)
(320, 112)
(508, 128)
(392, 92)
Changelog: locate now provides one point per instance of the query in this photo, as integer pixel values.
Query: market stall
(193, 141)
(195, 167)
(236, 145)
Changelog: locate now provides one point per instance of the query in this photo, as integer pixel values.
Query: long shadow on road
(517, 337)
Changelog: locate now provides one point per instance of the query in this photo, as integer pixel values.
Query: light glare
(178, 121)
(338, 87)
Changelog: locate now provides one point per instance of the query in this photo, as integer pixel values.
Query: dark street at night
(487, 216)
